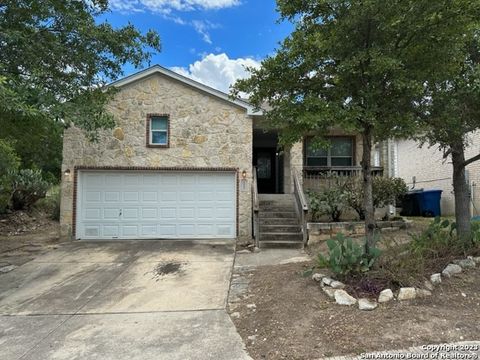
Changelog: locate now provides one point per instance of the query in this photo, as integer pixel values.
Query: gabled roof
(157, 69)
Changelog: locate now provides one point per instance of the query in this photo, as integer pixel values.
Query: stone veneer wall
(204, 132)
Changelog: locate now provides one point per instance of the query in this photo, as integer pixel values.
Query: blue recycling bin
(429, 202)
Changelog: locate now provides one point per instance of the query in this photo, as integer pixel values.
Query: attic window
(158, 130)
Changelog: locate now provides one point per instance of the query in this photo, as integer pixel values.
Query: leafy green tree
(452, 117)
(360, 66)
(56, 56)
(9, 163)
(37, 143)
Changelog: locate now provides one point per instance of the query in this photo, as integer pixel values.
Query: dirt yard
(23, 236)
(293, 319)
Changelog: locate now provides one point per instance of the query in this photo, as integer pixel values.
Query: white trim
(157, 69)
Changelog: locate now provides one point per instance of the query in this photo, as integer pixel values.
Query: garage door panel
(92, 213)
(150, 180)
(150, 196)
(149, 213)
(111, 213)
(112, 196)
(136, 205)
(148, 230)
(130, 231)
(132, 180)
(167, 230)
(131, 196)
(130, 213)
(93, 196)
(111, 231)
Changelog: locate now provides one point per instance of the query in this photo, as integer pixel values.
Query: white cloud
(218, 71)
(202, 27)
(166, 6)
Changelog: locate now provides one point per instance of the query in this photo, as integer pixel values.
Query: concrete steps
(279, 223)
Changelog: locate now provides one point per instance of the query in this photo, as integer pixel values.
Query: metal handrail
(255, 208)
(302, 206)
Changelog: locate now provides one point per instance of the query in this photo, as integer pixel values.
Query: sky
(207, 40)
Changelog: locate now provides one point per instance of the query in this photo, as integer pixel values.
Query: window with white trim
(158, 130)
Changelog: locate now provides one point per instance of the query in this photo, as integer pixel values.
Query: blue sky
(207, 40)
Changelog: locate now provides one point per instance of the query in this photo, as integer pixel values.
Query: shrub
(28, 187)
(331, 202)
(51, 203)
(9, 163)
(385, 192)
(345, 257)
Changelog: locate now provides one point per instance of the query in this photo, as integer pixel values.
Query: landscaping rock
(466, 263)
(329, 291)
(451, 269)
(476, 259)
(436, 279)
(318, 277)
(235, 315)
(337, 285)
(8, 268)
(385, 296)
(407, 293)
(252, 338)
(343, 298)
(428, 285)
(365, 304)
(327, 281)
(251, 306)
(422, 293)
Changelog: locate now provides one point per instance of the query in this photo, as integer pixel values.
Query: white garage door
(156, 205)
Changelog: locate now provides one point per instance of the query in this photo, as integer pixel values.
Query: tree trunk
(369, 210)
(461, 193)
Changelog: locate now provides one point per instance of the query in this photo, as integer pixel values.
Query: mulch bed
(294, 319)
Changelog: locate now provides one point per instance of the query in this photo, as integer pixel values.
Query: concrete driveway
(121, 300)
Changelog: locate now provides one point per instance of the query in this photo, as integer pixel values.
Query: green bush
(28, 187)
(331, 202)
(439, 238)
(385, 192)
(345, 257)
(9, 163)
(51, 203)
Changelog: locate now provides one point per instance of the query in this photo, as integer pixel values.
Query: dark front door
(264, 160)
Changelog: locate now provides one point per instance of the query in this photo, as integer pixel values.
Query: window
(340, 153)
(158, 130)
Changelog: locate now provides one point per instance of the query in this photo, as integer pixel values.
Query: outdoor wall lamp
(67, 172)
(244, 174)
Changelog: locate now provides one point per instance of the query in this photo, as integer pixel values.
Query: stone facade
(205, 132)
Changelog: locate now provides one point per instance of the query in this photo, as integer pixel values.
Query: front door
(264, 160)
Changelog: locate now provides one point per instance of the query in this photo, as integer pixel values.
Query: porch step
(296, 236)
(277, 208)
(281, 244)
(277, 214)
(280, 228)
(278, 221)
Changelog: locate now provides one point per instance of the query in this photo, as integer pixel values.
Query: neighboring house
(425, 168)
(180, 164)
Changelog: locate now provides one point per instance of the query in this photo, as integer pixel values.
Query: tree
(357, 65)
(38, 143)
(452, 115)
(55, 58)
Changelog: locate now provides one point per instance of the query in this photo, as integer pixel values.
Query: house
(180, 165)
(423, 167)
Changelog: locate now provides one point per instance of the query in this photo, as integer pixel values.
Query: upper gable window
(158, 130)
